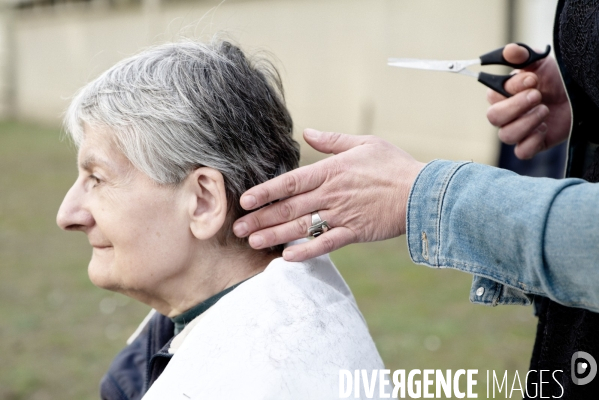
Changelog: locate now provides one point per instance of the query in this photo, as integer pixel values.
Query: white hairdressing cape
(283, 334)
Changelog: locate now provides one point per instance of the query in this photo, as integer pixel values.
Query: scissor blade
(433, 65)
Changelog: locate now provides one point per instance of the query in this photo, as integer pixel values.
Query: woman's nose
(71, 215)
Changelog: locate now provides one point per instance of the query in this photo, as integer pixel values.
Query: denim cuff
(491, 293)
(423, 216)
(424, 233)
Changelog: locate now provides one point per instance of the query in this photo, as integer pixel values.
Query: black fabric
(548, 164)
(139, 364)
(579, 40)
(592, 173)
(562, 331)
(183, 319)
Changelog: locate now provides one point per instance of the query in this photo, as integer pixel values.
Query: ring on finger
(318, 226)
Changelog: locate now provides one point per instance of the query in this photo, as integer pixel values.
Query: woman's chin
(101, 274)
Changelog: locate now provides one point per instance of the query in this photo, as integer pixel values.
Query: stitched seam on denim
(565, 186)
(545, 224)
(409, 202)
(503, 302)
(441, 201)
(475, 269)
(498, 298)
(472, 270)
(524, 302)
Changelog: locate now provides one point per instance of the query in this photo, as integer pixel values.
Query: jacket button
(480, 291)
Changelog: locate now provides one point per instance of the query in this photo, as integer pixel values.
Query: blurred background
(58, 332)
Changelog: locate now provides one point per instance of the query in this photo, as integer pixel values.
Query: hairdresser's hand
(362, 192)
(538, 116)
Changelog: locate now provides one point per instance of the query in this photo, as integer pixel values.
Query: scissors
(494, 57)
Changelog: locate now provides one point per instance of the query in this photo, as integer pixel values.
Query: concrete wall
(332, 55)
(7, 78)
(534, 22)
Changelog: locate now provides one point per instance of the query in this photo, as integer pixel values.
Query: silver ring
(318, 226)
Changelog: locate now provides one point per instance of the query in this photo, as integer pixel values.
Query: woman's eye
(95, 179)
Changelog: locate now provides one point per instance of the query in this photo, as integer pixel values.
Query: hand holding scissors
(537, 116)
(495, 57)
(530, 106)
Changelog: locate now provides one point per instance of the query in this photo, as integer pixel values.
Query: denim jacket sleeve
(518, 236)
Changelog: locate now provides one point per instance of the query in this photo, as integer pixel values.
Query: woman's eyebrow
(89, 162)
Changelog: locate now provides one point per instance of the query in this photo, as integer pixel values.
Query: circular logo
(587, 368)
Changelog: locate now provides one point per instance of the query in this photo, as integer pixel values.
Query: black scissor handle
(495, 82)
(495, 57)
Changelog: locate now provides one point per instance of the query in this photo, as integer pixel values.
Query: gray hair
(179, 106)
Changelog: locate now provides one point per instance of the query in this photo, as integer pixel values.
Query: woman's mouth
(101, 246)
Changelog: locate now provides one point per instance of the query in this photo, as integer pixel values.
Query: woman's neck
(205, 278)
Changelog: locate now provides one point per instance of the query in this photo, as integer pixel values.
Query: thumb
(515, 54)
(332, 142)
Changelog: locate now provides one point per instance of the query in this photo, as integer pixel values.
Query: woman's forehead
(98, 150)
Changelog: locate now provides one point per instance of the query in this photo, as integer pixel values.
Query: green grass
(56, 341)
(411, 308)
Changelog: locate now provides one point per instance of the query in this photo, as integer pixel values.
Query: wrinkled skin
(361, 192)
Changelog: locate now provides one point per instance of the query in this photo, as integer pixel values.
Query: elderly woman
(167, 142)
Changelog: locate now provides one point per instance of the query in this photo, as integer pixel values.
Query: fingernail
(529, 82)
(312, 133)
(288, 255)
(543, 111)
(256, 241)
(534, 96)
(542, 129)
(247, 201)
(240, 229)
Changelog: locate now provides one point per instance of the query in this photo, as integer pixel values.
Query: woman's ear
(208, 202)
